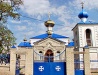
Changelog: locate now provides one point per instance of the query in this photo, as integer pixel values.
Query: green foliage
(7, 38)
(7, 10)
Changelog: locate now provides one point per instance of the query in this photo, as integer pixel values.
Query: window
(58, 55)
(41, 55)
(88, 37)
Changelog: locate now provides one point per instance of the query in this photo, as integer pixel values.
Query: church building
(54, 54)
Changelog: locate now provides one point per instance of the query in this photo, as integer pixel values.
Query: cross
(25, 38)
(41, 68)
(49, 15)
(58, 68)
(82, 4)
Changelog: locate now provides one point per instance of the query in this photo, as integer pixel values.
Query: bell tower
(86, 35)
(85, 32)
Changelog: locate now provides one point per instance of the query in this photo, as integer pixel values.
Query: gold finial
(82, 4)
(49, 15)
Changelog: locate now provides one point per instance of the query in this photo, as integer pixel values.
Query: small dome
(71, 44)
(24, 39)
(49, 23)
(24, 44)
(13, 46)
(83, 14)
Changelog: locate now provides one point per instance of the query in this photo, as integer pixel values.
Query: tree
(6, 38)
(8, 8)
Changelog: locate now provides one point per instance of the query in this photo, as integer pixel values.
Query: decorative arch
(88, 37)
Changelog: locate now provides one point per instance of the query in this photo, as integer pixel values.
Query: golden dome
(49, 23)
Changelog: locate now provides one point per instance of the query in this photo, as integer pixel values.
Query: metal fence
(79, 65)
(4, 59)
(94, 64)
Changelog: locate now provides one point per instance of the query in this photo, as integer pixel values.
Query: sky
(63, 12)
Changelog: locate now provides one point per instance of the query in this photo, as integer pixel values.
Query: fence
(4, 59)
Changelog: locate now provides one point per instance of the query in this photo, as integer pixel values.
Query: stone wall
(4, 69)
(9, 69)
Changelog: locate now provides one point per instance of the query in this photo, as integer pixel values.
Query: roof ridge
(46, 35)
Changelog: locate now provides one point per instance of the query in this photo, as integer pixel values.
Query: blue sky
(63, 12)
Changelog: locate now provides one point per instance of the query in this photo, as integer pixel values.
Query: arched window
(88, 37)
(41, 55)
(58, 55)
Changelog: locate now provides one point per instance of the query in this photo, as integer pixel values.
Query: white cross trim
(58, 68)
(41, 68)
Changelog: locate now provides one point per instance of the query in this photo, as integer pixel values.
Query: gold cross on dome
(49, 14)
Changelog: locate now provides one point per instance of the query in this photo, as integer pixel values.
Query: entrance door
(48, 56)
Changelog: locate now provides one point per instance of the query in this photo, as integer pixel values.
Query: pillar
(12, 62)
(87, 62)
(29, 62)
(69, 61)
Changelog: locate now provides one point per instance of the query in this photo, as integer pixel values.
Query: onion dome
(83, 14)
(49, 23)
(13, 46)
(25, 43)
(24, 39)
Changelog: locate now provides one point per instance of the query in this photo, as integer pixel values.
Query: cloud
(88, 4)
(34, 7)
(65, 14)
(20, 28)
(15, 21)
(91, 4)
(40, 8)
(37, 7)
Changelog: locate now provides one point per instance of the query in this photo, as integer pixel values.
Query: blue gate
(79, 72)
(49, 68)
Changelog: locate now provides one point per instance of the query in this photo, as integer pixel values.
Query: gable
(49, 42)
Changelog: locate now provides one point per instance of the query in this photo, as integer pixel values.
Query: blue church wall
(49, 68)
